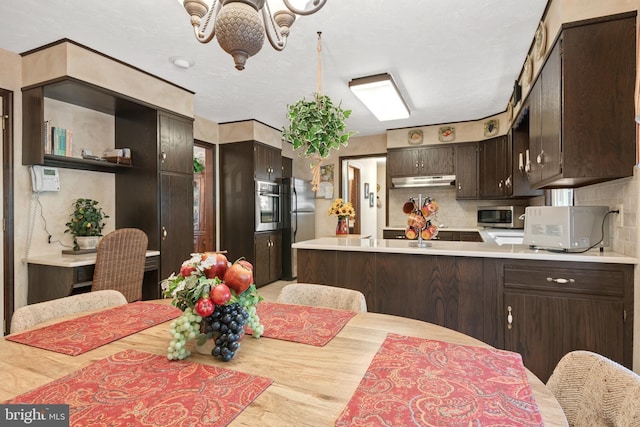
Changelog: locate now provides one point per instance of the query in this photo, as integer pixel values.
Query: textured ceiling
(454, 60)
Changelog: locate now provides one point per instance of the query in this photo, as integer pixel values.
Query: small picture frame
(371, 201)
(366, 190)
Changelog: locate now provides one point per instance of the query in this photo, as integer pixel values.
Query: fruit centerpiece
(421, 223)
(218, 300)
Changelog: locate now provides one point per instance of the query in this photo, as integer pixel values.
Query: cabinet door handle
(507, 182)
(540, 158)
(164, 233)
(560, 280)
(500, 184)
(509, 318)
(163, 156)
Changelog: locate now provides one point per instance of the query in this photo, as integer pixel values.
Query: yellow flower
(341, 209)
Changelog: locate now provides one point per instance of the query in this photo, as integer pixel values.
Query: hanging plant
(317, 126)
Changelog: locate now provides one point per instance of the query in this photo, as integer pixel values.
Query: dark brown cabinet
(444, 290)
(495, 168)
(268, 162)
(551, 308)
(436, 160)
(241, 164)
(156, 195)
(176, 144)
(467, 170)
(581, 107)
(268, 257)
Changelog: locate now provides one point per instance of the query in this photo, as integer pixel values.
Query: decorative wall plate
(510, 111)
(415, 137)
(527, 71)
(540, 44)
(446, 134)
(491, 127)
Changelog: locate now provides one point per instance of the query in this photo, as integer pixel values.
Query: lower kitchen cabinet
(538, 308)
(268, 257)
(552, 308)
(443, 290)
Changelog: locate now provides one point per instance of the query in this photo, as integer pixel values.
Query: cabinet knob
(540, 158)
(164, 233)
(500, 184)
(507, 182)
(509, 318)
(459, 186)
(163, 156)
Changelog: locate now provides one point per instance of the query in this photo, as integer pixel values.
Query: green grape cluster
(182, 329)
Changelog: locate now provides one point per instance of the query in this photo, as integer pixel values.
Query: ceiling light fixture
(237, 24)
(181, 62)
(381, 96)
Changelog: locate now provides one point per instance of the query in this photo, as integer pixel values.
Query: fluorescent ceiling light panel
(381, 96)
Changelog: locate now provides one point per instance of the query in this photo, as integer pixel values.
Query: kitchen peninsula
(538, 303)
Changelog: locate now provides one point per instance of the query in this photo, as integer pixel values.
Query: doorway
(363, 183)
(204, 196)
(6, 250)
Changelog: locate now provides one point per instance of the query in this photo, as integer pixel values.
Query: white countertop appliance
(565, 228)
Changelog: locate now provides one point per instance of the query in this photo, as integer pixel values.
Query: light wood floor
(270, 292)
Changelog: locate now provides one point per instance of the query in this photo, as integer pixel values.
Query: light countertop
(61, 260)
(487, 249)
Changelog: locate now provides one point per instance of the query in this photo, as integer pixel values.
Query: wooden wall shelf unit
(155, 193)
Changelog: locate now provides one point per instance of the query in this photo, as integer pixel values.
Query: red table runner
(301, 323)
(420, 382)
(79, 335)
(134, 388)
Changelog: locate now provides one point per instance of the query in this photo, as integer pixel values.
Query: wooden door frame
(8, 207)
(210, 187)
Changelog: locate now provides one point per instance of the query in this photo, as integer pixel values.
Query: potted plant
(317, 126)
(86, 224)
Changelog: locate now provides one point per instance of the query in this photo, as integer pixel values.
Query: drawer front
(597, 282)
(151, 263)
(393, 234)
(83, 274)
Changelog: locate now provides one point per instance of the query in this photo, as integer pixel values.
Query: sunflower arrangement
(342, 209)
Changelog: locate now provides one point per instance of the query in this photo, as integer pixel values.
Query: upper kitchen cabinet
(176, 144)
(467, 170)
(422, 161)
(495, 168)
(581, 107)
(268, 162)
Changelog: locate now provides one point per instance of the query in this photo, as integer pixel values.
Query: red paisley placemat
(79, 335)
(301, 323)
(420, 382)
(133, 388)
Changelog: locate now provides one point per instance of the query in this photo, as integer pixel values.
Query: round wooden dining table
(311, 385)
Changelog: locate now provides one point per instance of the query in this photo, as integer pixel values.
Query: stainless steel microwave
(501, 216)
(268, 206)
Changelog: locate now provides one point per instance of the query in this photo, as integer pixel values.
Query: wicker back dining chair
(595, 391)
(34, 314)
(323, 296)
(120, 262)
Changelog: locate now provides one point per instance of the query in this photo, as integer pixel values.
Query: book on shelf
(61, 142)
(47, 137)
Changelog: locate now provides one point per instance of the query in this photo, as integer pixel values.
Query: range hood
(424, 181)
